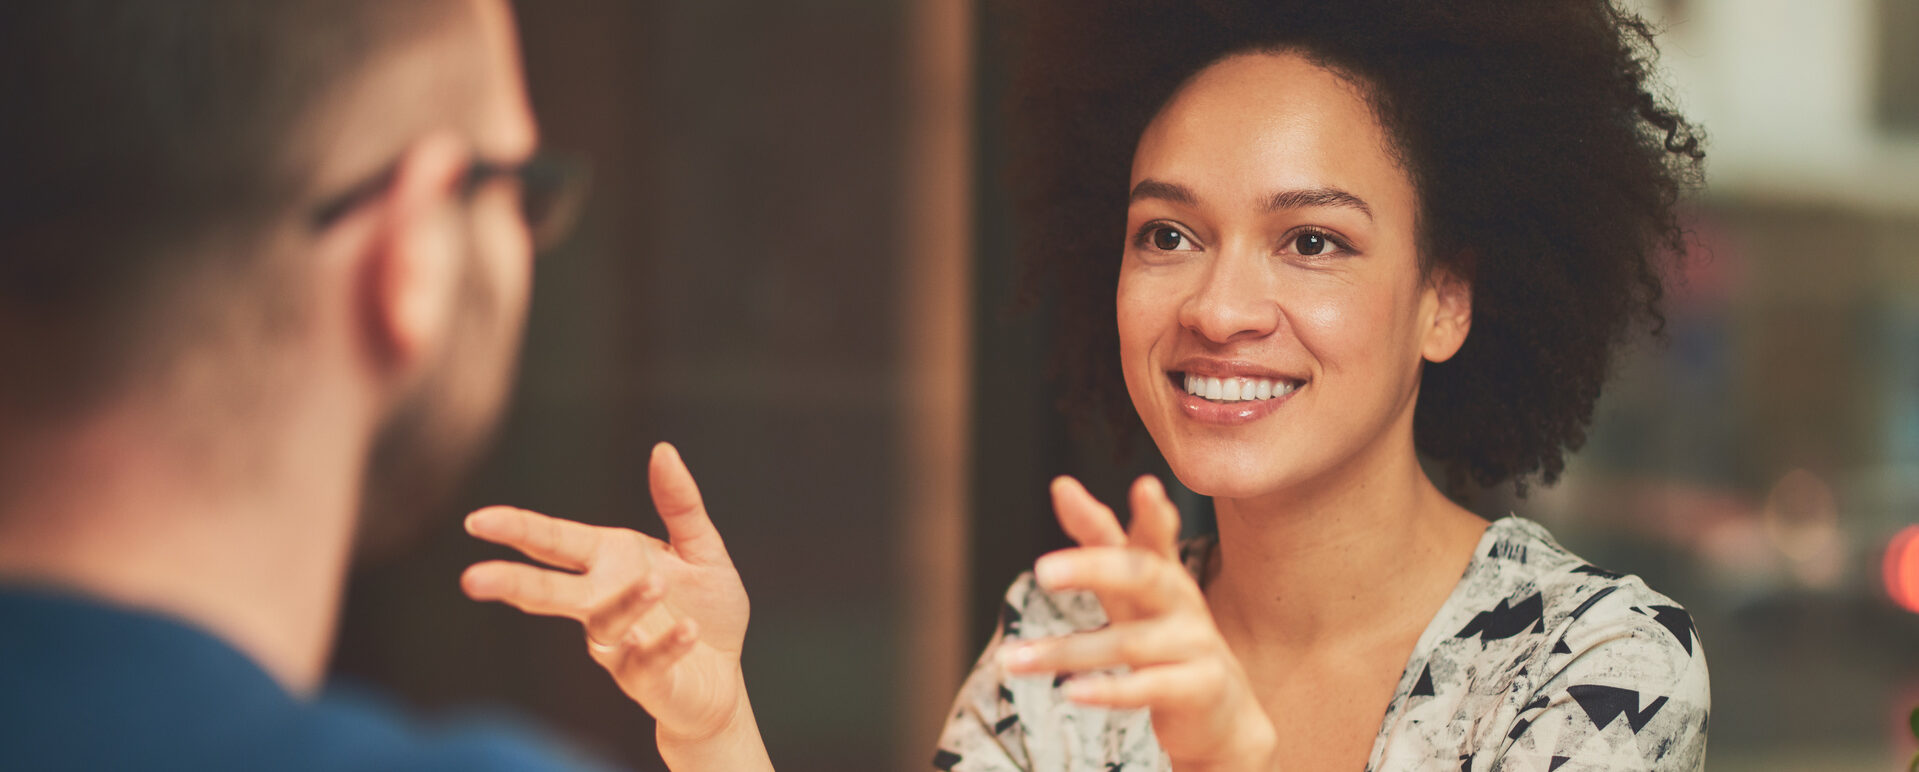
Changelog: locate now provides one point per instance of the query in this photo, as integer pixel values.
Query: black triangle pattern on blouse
(1504, 621)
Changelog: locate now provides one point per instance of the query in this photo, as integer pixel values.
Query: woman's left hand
(1204, 711)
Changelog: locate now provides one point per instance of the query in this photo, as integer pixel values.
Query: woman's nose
(1235, 300)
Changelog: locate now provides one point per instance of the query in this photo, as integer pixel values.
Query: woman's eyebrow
(1286, 199)
(1164, 191)
(1300, 199)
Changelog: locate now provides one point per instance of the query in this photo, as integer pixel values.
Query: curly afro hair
(1547, 167)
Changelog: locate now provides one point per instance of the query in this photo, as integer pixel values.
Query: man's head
(215, 209)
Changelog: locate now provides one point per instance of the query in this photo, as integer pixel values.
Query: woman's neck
(1351, 559)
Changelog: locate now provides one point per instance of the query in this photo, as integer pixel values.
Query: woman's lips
(1231, 400)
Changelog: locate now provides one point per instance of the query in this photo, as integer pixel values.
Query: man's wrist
(734, 747)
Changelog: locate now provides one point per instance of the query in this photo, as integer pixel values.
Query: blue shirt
(89, 686)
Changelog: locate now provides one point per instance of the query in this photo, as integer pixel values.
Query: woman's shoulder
(1531, 603)
(1524, 570)
(1556, 657)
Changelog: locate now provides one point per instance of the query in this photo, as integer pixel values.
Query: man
(263, 269)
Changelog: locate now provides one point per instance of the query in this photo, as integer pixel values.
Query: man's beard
(432, 439)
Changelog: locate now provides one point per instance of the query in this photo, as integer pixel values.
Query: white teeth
(1237, 389)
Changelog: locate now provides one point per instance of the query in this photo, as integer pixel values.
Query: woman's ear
(1451, 317)
(411, 266)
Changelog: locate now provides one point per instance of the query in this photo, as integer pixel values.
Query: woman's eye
(1158, 236)
(1168, 239)
(1313, 243)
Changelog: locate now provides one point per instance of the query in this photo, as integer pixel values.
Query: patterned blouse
(1537, 661)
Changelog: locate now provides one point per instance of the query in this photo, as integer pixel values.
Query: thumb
(677, 498)
(1155, 518)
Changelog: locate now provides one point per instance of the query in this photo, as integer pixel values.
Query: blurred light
(1902, 568)
(1801, 518)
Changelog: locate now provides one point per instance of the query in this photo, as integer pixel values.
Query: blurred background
(797, 266)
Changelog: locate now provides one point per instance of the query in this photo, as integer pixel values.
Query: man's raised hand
(666, 618)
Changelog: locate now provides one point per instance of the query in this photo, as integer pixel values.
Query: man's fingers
(620, 614)
(562, 543)
(1089, 522)
(677, 498)
(1122, 577)
(533, 590)
(640, 658)
(1155, 518)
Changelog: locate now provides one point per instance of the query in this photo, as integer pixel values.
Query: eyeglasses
(552, 188)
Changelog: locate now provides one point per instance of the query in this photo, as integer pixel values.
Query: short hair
(1548, 171)
(134, 130)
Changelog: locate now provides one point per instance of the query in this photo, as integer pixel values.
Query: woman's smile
(1229, 393)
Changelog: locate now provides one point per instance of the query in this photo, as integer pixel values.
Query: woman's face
(1272, 313)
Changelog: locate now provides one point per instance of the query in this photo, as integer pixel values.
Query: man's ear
(1452, 315)
(412, 263)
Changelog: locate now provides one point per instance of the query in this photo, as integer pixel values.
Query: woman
(1356, 233)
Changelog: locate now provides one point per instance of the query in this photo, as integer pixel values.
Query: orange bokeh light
(1902, 568)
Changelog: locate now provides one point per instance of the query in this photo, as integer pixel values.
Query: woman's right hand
(666, 619)
(1204, 710)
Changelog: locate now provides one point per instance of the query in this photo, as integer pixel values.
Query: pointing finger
(533, 590)
(1129, 582)
(1133, 644)
(1155, 519)
(1089, 522)
(1181, 686)
(562, 543)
